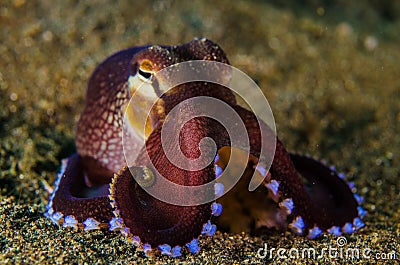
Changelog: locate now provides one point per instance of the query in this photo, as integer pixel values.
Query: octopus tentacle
(314, 196)
(71, 195)
(155, 222)
(147, 220)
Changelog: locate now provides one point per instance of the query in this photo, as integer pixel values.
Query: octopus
(97, 189)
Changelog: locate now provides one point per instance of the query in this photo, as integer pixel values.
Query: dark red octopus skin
(322, 200)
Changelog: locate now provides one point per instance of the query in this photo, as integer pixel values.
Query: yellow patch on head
(146, 66)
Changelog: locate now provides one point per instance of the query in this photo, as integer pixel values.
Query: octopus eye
(145, 75)
(145, 71)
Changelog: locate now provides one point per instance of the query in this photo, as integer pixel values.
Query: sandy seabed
(330, 73)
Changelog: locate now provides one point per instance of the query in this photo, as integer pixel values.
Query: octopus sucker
(104, 185)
